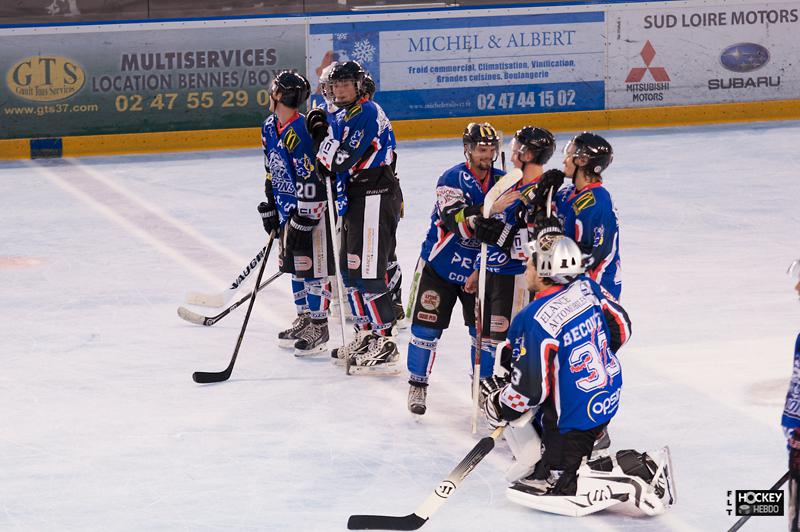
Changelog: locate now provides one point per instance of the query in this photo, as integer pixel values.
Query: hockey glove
(298, 232)
(317, 126)
(492, 409)
(551, 179)
(269, 216)
(794, 453)
(495, 232)
(491, 384)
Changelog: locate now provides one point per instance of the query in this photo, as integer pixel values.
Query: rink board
(420, 129)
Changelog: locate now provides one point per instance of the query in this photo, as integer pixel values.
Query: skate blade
(380, 369)
(287, 344)
(300, 353)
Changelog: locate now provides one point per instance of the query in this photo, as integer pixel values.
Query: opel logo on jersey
(744, 57)
(602, 403)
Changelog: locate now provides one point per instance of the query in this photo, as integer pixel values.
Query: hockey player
(448, 254)
(357, 147)
(394, 275)
(586, 211)
(506, 234)
(564, 368)
(295, 206)
(791, 420)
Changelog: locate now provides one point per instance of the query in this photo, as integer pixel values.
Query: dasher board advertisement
(133, 78)
(472, 66)
(725, 53)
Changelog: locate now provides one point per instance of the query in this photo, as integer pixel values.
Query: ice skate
(400, 316)
(287, 338)
(312, 340)
(601, 446)
(380, 357)
(417, 393)
(358, 344)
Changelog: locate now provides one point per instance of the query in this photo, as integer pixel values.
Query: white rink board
(689, 43)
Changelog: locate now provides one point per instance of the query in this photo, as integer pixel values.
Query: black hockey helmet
(538, 141)
(349, 71)
(595, 149)
(369, 86)
(480, 134)
(294, 88)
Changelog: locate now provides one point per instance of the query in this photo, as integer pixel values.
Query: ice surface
(103, 428)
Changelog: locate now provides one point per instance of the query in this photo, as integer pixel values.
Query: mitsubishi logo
(658, 73)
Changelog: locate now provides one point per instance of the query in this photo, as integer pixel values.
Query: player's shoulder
(295, 136)
(797, 346)
(454, 173)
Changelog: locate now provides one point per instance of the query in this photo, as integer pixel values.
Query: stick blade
(191, 317)
(209, 377)
(205, 300)
(385, 522)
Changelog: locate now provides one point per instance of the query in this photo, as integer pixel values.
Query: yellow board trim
(15, 149)
(171, 141)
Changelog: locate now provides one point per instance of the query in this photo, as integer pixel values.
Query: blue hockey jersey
(511, 261)
(360, 137)
(564, 346)
(791, 410)
(449, 246)
(290, 165)
(589, 218)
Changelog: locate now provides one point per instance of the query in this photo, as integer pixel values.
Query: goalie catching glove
(490, 397)
(298, 232)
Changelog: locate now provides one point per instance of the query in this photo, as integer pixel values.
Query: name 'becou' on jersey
(564, 346)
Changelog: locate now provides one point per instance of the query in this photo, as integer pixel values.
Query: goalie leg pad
(525, 445)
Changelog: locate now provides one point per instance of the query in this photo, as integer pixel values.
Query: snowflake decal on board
(363, 51)
(341, 36)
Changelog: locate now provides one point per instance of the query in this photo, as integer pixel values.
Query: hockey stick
(221, 299)
(196, 318)
(505, 183)
(436, 499)
(337, 268)
(742, 520)
(206, 377)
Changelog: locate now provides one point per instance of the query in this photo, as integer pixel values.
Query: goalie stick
(504, 184)
(436, 499)
(221, 299)
(208, 321)
(207, 377)
(742, 520)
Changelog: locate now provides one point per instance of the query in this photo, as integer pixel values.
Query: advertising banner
(472, 66)
(732, 52)
(142, 78)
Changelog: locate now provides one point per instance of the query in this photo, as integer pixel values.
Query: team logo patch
(426, 316)
(291, 140)
(353, 261)
(599, 231)
(353, 111)
(498, 324)
(355, 140)
(430, 300)
(302, 264)
(583, 202)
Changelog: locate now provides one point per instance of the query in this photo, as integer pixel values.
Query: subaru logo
(744, 57)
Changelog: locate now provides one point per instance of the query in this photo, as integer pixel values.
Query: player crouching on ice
(565, 384)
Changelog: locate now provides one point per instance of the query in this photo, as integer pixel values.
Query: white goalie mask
(557, 258)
